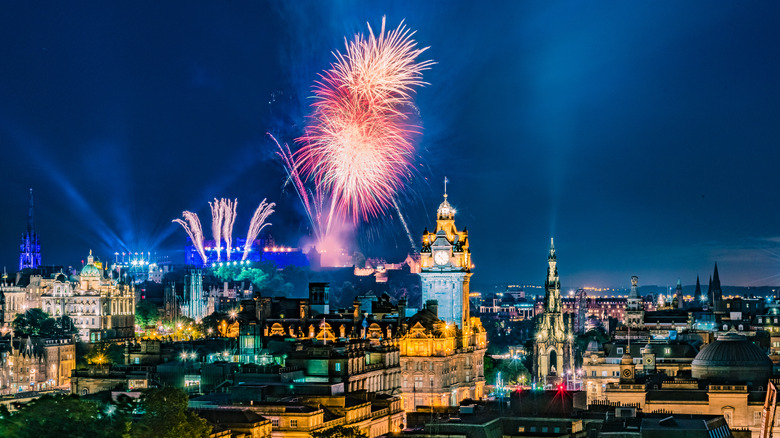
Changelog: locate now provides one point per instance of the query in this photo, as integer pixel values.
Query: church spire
(30, 224)
(30, 248)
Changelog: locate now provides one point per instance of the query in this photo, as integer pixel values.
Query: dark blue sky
(643, 136)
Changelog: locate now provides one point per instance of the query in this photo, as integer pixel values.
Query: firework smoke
(194, 230)
(257, 224)
(216, 226)
(228, 219)
(358, 146)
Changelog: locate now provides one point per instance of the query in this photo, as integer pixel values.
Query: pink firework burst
(358, 147)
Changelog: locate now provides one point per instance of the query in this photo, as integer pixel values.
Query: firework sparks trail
(228, 219)
(194, 230)
(358, 147)
(403, 222)
(312, 202)
(257, 224)
(216, 226)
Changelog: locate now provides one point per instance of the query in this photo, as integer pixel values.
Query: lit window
(338, 366)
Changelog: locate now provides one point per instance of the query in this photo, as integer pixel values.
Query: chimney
(433, 306)
(401, 311)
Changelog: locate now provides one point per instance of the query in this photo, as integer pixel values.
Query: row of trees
(159, 413)
(163, 412)
(36, 322)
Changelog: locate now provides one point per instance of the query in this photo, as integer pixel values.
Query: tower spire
(30, 224)
(30, 248)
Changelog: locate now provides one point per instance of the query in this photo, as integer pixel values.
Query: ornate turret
(635, 312)
(678, 295)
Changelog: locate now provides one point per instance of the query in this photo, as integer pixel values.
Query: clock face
(626, 373)
(441, 258)
(649, 360)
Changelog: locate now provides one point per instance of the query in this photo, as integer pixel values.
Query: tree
(298, 278)
(146, 313)
(339, 432)
(105, 353)
(264, 276)
(36, 322)
(30, 322)
(166, 416)
(512, 370)
(211, 322)
(65, 416)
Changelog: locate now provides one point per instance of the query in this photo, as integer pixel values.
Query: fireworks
(228, 219)
(223, 215)
(258, 223)
(194, 230)
(358, 146)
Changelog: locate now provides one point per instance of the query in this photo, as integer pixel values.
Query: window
(667, 351)
(275, 422)
(406, 382)
(603, 374)
(137, 360)
(757, 418)
(430, 381)
(593, 373)
(620, 350)
(293, 423)
(418, 381)
(430, 366)
(338, 366)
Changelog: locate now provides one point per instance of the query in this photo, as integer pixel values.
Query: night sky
(643, 136)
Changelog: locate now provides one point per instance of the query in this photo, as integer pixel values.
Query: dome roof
(594, 346)
(732, 357)
(90, 271)
(445, 210)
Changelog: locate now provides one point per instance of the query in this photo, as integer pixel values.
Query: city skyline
(640, 136)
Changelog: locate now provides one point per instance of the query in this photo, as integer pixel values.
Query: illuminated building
(262, 250)
(30, 249)
(601, 364)
(635, 311)
(445, 267)
(138, 267)
(32, 364)
(194, 305)
(729, 378)
(553, 345)
(100, 308)
(442, 346)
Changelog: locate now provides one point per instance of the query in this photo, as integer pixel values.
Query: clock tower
(445, 267)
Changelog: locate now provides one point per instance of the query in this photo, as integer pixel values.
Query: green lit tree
(30, 322)
(146, 314)
(64, 416)
(166, 416)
